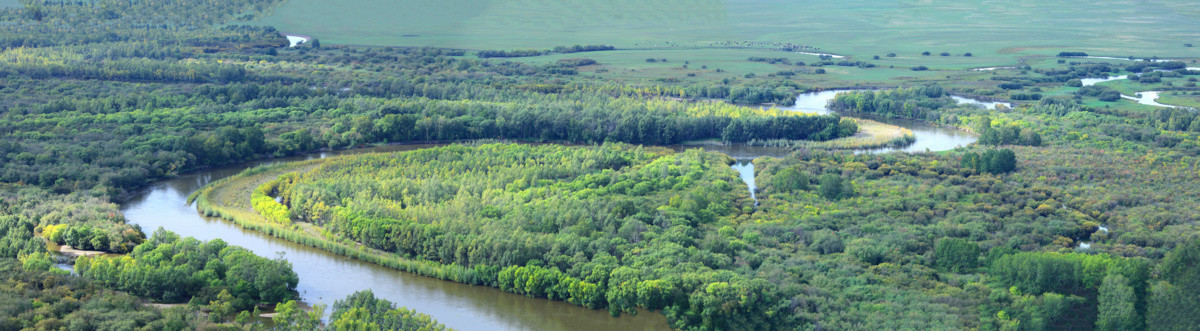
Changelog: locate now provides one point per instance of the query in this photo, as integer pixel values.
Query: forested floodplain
(536, 163)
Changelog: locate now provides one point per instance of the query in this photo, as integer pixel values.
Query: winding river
(929, 137)
(326, 277)
(1149, 98)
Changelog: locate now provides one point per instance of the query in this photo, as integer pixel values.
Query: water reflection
(1094, 81)
(928, 137)
(745, 170)
(984, 104)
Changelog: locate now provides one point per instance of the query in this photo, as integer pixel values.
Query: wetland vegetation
(552, 165)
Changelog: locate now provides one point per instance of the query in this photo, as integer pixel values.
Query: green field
(703, 64)
(997, 33)
(1180, 99)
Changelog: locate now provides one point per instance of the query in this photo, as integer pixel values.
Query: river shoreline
(326, 275)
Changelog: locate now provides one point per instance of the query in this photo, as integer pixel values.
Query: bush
(1011, 86)
(583, 48)
(867, 250)
(826, 242)
(575, 62)
(1025, 96)
(956, 255)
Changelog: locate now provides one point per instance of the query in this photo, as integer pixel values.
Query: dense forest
(1074, 210)
(547, 221)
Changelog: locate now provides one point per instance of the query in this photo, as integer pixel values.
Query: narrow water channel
(931, 138)
(326, 277)
(745, 169)
(1149, 98)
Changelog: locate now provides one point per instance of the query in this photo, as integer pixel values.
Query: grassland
(995, 32)
(702, 65)
(1185, 99)
(1169, 97)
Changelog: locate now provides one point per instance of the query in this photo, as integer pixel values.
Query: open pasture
(703, 64)
(995, 32)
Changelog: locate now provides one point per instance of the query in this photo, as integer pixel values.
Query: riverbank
(871, 135)
(326, 277)
(230, 199)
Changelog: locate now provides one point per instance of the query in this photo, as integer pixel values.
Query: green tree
(289, 316)
(970, 160)
(847, 127)
(867, 250)
(1174, 301)
(1030, 138)
(221, 308)
(1117, 305)
(790, 180)
(1168, 309)
(355, 319)
(831, 186)
(957, 255)
(825, 241)
(998, 161)
(983, 125)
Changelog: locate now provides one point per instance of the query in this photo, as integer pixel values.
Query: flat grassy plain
(1185, 99)
(1169, 97)
(995, 32)
(702, 64)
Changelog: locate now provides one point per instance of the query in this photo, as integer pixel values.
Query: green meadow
(714, 64)
(995, 32)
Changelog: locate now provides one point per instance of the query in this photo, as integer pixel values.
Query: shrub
(956, 255)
